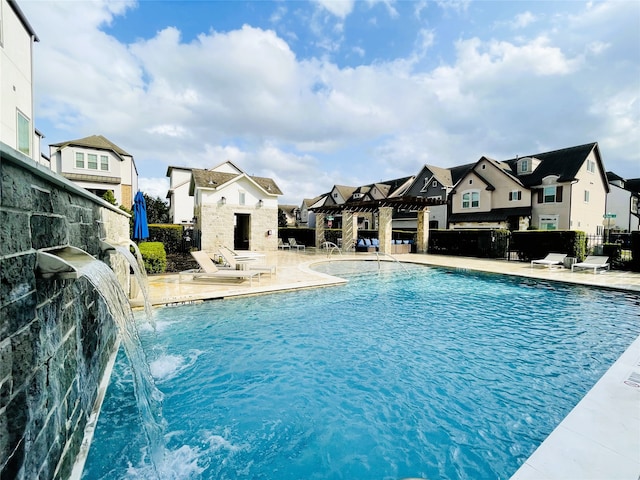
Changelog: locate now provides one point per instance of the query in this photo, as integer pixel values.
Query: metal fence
(617, 246)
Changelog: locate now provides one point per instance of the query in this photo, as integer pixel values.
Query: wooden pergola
(385, 208)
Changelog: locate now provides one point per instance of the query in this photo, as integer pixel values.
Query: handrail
(392, 258)
(333, 247)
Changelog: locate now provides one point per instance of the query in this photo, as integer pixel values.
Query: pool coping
(599, 438)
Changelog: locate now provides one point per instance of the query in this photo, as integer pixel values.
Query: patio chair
(208, 270)
(239, 262)
(551, 260)
(283, 245)
(594, 262)
(293, 243)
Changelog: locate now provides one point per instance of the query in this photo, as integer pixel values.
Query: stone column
(319, 229)
(423, 231)
(385, 228)
(349, 229)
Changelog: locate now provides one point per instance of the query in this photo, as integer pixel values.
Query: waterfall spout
(65, 263)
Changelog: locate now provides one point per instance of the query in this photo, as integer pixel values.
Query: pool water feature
(429, 373)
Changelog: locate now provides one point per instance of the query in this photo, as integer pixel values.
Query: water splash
(137, 265)
(148, 397)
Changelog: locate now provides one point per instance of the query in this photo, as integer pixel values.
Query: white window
(436, 197)
(549, 194)
(634, 205)
(79, 160)
(241, 198)
(104, 162)
(471, 200)
(434, 183)
(524, 165)
(515, 195)
(586, 196)
(24, 134)
(335, 195)
(591, 166)
(92, 161)
(549, 222)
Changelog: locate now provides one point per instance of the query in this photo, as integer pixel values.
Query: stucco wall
(56, 336)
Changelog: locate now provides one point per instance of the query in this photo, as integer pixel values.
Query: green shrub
(154, 256)
(480, 243)
(532, 244)
(169, 235)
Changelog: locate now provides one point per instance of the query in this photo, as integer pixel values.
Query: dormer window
(527, 165)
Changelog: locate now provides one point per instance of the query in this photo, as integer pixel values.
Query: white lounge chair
(239, 262)
(293, 243)
(283, 245)
(594, 262)
(208, 270)
(551, 260)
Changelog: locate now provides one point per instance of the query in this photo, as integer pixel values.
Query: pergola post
(349, 229)
(385, 228)
(422, 242)
(320, 229)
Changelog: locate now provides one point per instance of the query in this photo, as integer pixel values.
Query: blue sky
(314, 94)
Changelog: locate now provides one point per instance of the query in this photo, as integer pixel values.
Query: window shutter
(558, 193)
(519, 195)
(540, 195)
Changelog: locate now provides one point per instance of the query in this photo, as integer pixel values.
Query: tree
(157, 210)
(110, 197)
(282, 218)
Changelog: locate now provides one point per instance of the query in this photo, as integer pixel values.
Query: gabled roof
(633, 185)
(172, 167)
(344, 191)
(213, 180)
(94, 141)
(564, 163)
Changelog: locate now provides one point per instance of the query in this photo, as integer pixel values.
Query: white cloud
(523, 19)
(339, 8)
(245, 96)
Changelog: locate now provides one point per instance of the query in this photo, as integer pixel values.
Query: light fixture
(223, 200)
(260, 203)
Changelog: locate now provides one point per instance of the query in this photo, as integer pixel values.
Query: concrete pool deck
(599, 439)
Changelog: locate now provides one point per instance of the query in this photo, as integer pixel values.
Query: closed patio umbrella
(140, 227)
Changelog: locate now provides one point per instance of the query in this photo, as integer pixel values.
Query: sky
(322, 93)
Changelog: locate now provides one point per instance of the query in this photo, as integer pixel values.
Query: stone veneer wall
(56, 336)
(216, 221)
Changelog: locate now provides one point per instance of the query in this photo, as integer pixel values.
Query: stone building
(234, 209)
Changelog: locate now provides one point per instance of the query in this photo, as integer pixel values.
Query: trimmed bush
(167, 234)
(154, 256)
(532, 244)
(469, 243)
(305, 236)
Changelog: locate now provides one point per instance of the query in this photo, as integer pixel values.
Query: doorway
(241, 231)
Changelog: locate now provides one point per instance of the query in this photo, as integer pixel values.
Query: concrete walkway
(599, 439)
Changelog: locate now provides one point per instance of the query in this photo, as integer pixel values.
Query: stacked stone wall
(56, 336)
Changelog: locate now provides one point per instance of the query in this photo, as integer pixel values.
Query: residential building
(17, 38)
(234, 209)
(98, 165)
(560, 190)
(307, 216)
(180, 202)
(434, 183)
(622, 204)
(291, 213)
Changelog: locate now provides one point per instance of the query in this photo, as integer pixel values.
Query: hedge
(533, 244)
(469, 243)
(167, 234)
(154, 256)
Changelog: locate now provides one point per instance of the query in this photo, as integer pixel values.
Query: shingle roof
(94, 141)
(565, 163)
(208, 179)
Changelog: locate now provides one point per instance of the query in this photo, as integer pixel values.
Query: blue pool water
(417, 372)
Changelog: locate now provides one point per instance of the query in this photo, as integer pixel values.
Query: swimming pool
(422, 372)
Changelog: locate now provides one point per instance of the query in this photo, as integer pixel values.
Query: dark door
(242, 231)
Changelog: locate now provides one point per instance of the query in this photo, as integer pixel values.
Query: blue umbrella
(140, 227)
